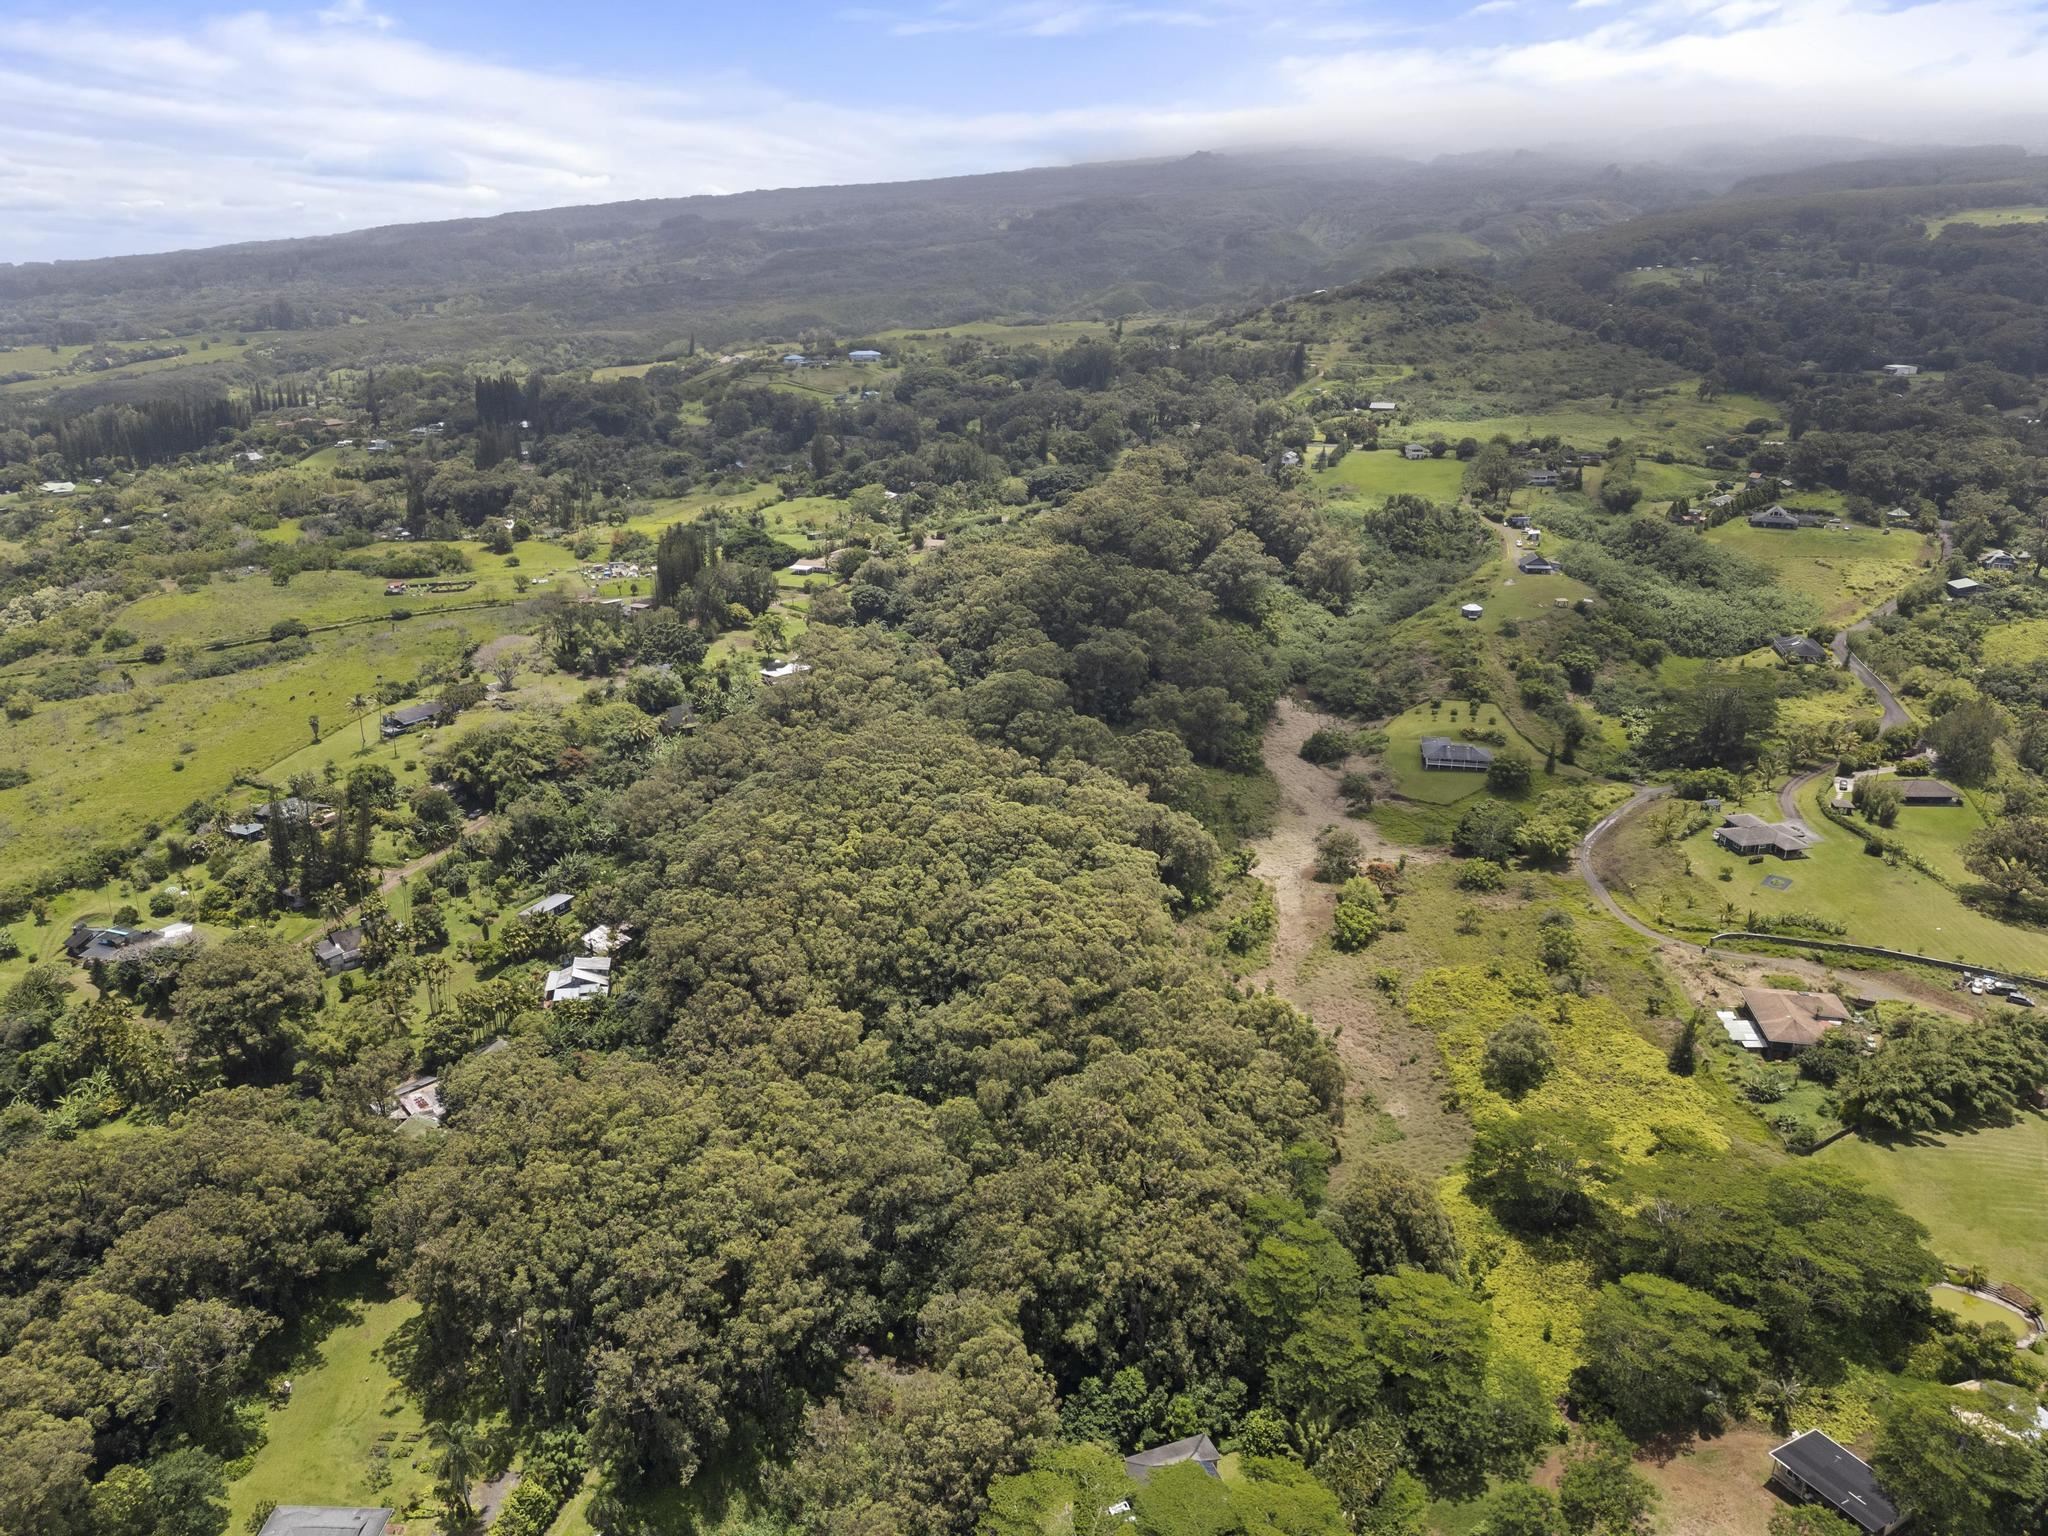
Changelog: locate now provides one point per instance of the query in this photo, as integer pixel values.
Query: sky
(143, 125)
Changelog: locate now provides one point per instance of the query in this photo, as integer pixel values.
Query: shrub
(1480, 875)
(1327, 747)
(1509, 774)
(1517, 1058)
(1337, 855)
(1357, 790)
(1357, 921)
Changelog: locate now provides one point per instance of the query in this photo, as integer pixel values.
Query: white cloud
(354, 13)
(247, 126)
(1492, 7)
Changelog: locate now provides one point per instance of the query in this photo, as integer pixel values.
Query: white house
(1382, 405)
(584, 976)
(1471, 610)
(1901, 370)
(794, 359)
(58, 487)
(784, 672)
(864, 355)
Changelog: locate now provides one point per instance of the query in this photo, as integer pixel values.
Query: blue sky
(147, 126)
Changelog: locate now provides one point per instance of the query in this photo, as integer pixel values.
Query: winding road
(1644, 794)
(1894, 712)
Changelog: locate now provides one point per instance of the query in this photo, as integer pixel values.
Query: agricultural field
(2017, 643)
(1679, 886)
(1977, 1192)
(349, 1434)
(52, 368)
(1846, 571)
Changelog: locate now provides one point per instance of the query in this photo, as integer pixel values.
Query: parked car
(2019, 999)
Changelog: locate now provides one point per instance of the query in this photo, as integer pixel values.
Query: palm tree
(434, 972)
(461, 1456)
(360, 703)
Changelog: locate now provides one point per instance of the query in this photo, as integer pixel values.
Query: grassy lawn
(2017, 643)
(2033, 214)
(1846, 571)
(1679, 886)
(106, 764)
(1676, 419)
(1402, 761)
(1977, 1192)
(48, 365)
(1381, 473)
(1975, 1309)
(349, 1435)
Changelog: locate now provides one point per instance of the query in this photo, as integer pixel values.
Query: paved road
(1894, 712)
(1644, 794)
(1788, 798)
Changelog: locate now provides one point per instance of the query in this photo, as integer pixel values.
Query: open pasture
(1847, 571)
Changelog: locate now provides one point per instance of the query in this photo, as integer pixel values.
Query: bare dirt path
(1387, 1060)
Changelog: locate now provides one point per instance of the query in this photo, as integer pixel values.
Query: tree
(1356, 921)
(1965, 740)
(1464, 1412)
(1963, 1463)
(1076, 1483)
(1600, 1493)
(1810, 1520)
(1521, 1509)
(1509, 774)
(238, 1004)
(1538, 1170)
(1721, 721)
(1387, 1220)
(1488, 831)
(1517, 1058)
(1338, 851)
(360, 704)
(1662, 1356)
(1879, 800)
(462, 1455)
(313, 725)
(2011, 857)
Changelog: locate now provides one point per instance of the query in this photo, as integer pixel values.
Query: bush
(1480, 875)
(1509, 774)
(1517, 1058)
(1357, 790)
(1327, 747)
(1337, 855)
(1357, 921)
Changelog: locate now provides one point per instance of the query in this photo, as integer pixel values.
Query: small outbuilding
(1470, 611)
(1414, 451)
(549, 906)
(1963, 587)
(1902, 370)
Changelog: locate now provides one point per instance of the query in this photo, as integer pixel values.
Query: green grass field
(2017, 643)
(1675, 418)
(1846, 571)
(49, 365)
(1978, 1193)
(349, 1435)
(1678, 886)
(107, 764)
(2034, 214)
(1376, 475)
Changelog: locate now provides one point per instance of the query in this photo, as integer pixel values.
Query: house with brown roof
(1791, 1021)
(1928, 792)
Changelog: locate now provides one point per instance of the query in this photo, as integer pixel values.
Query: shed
(1414, 451)
(1902, 370)
(1470, 611)
(1964, 586)
(1382, 405)
(549, 906)
(1440, 752)
(1812, 1467)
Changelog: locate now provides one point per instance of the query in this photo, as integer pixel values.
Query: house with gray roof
(1443, 754)
(324, 1520)
(1801, 648)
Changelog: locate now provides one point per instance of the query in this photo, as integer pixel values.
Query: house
(431, 429)
(1542, 477)
(324, 1520)
(677, 717)
(1902, 370)
(784, 672)
(1290, 458)
(89, 944)
(244, 831)
(1382, 405)
(341, 950)
(2000, 560)
(1746, 834)
(1725, 499)
(1963, 587)
(584, 976)
(253, 456)
(1801, 648)
(312, 812)
(549, 906)
(1776, 516)
(1196, 1448)
(1537, 565)
(58, 487)
(822, 567)
(1439, 752)
(379, 445)
(1791, 1021)
(1414, 451)
(605, 939)
(1470, 611)
(1518, 519)
(864, 355)
(1897, 515)
(412, 717)
(1928, 792)
(794, 359)
(1813, 1468)
(1740, 1030)
(417, 1098)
